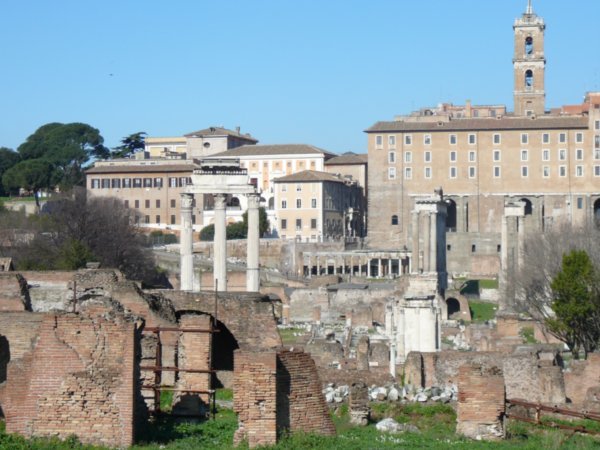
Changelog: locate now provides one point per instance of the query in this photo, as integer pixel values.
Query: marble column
(220, 244)
(433, 247)
(379, 274)
(186, 265)
(253, 242)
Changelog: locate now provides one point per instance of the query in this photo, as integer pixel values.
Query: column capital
(187, 200)
(253, 200)
(220, 201)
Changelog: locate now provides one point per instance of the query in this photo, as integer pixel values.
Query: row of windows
(298, 187)
(147, 203)
(313, 224)
(313, 203)
(472, 138)
(497, 171)
(157, 219)
(126, 183)
(496, 155)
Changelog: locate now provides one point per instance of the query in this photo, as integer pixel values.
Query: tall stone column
(253, 242)
(416, 248)
(186, 264)
(433, 246)
(220, 244)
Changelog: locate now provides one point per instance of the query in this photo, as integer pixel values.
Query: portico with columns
(219, 178)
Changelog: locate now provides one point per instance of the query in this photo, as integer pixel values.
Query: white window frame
(562, 154)
(427, 156)
(562, 171)
(497, 153)
(408, 157)
(579, 138)
(545, 138)
(427, 172)
(451, 138)
(524, 138)
(546, 171)
(472, 172)
(392, 157)
(453, 156)
(497, 141)
(392, 141)
(408, 173)
(391, 173)
(524, 155)
(497, 172)
(379, 141)
(313, 202)
(283, 204)
(452, 172)
(408, 139)
(579, 171)
(472, 139)
(562, 138)
(579, 154)
(426, 139)
(524, 171)
(597, 170)
(472, 156)
(545, 154)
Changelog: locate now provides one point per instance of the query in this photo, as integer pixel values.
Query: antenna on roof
(529, 8)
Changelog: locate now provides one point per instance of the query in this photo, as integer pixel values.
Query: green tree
(238, 230)
(263, 221)
(130, 145)
(576, 304)
(31, 174)
(67, 147)
(8, 158)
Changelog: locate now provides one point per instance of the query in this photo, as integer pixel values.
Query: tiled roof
(503, 123)
(278, 149)
(309, 176)
(219, 131)
(348, 158)
(150, 168)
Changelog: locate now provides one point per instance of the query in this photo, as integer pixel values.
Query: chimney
(237, 130)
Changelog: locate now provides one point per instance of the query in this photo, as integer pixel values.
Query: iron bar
(180, 330)
(578, 429)
(175, 369)
(556, 410)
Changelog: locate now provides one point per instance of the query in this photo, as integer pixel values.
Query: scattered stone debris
(389, 425)
(395, 393)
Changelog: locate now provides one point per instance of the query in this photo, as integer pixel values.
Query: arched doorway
(450, 215)
(223, 346)
(453, 306)
(528, 206)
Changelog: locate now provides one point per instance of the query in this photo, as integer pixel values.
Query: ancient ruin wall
(481, 402)
(583, 376)
(255, 385)
(300, 402)
(14, 295)
(79, 379)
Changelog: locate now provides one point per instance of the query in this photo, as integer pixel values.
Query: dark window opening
(448, 248)
(450, 215)
(498, 248)
(528, 206)
(394, 220)
(473, 248)
(529, 45)
(453, 306)
(529, 78)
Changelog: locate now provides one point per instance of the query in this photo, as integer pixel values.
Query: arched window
(394, 220)
(529, 78)
(453, 306)
(528, 45)
(272, 203)
(528, 206)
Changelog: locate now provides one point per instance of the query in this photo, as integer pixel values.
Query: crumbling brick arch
(224, 344)
(456, 306)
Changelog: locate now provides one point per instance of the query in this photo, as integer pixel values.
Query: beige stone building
(484, 157)
(316, 206)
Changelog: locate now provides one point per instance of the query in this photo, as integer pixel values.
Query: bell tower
(529, 64)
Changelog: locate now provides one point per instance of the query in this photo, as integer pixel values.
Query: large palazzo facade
(484, 158)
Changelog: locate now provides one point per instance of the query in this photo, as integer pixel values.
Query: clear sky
(286, 71)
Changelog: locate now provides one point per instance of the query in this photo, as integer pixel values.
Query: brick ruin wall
(526, 375)
(80, 378)
(275, 392)
(481, 402)
(582, 382)
(14, 295)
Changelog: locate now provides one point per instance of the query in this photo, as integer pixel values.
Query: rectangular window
(408, 139)
(391, 157)
(546, 171)
(392, 141)
(172, 182)
(579, 154)
(472, 172)
(298, 203)
(578, 171)
(545, 155)
(597, 171)
(298, 224)
(147, 182)
(378, 141)
(452, 156)
(147, 203)
(183, 181)
(392, 173)
(146, 219)
(313, 203)
(597, 125)
(407, 173)
(173, 220)
(427, 172)
(562, 154)
(115, 183)
(95, 183)
(193, 219)
(597, 153)
(579, 138)
(579, 202)
(545, 138)
(408, 157)
(472, 157)
(313, 224)
(137, 204)
(562, 171)
(173, 203)
(126, 203)
(127, 183)
(497, 155)
(562, 138)
(105, 183)
(157, 219)
(158, 203)
(158, 182)
(298, 187)
(524, 155)
(497, 139)
(524, 138)
(137, 182)
(452, 173)
(524, 171)
(284, 224)
(496, 171)
(427, 139)
(597, 142)
(283, 204)
(427, 156)
(452, 139)
(472, 139)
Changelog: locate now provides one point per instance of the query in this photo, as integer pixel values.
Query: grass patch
(482, 311)
(166, 400)
(288, 335)
(528, 335)
(224, 394)
(472, 287)
(19, 199)
(488, 284)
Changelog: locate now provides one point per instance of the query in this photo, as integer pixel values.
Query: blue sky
(302, 71)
